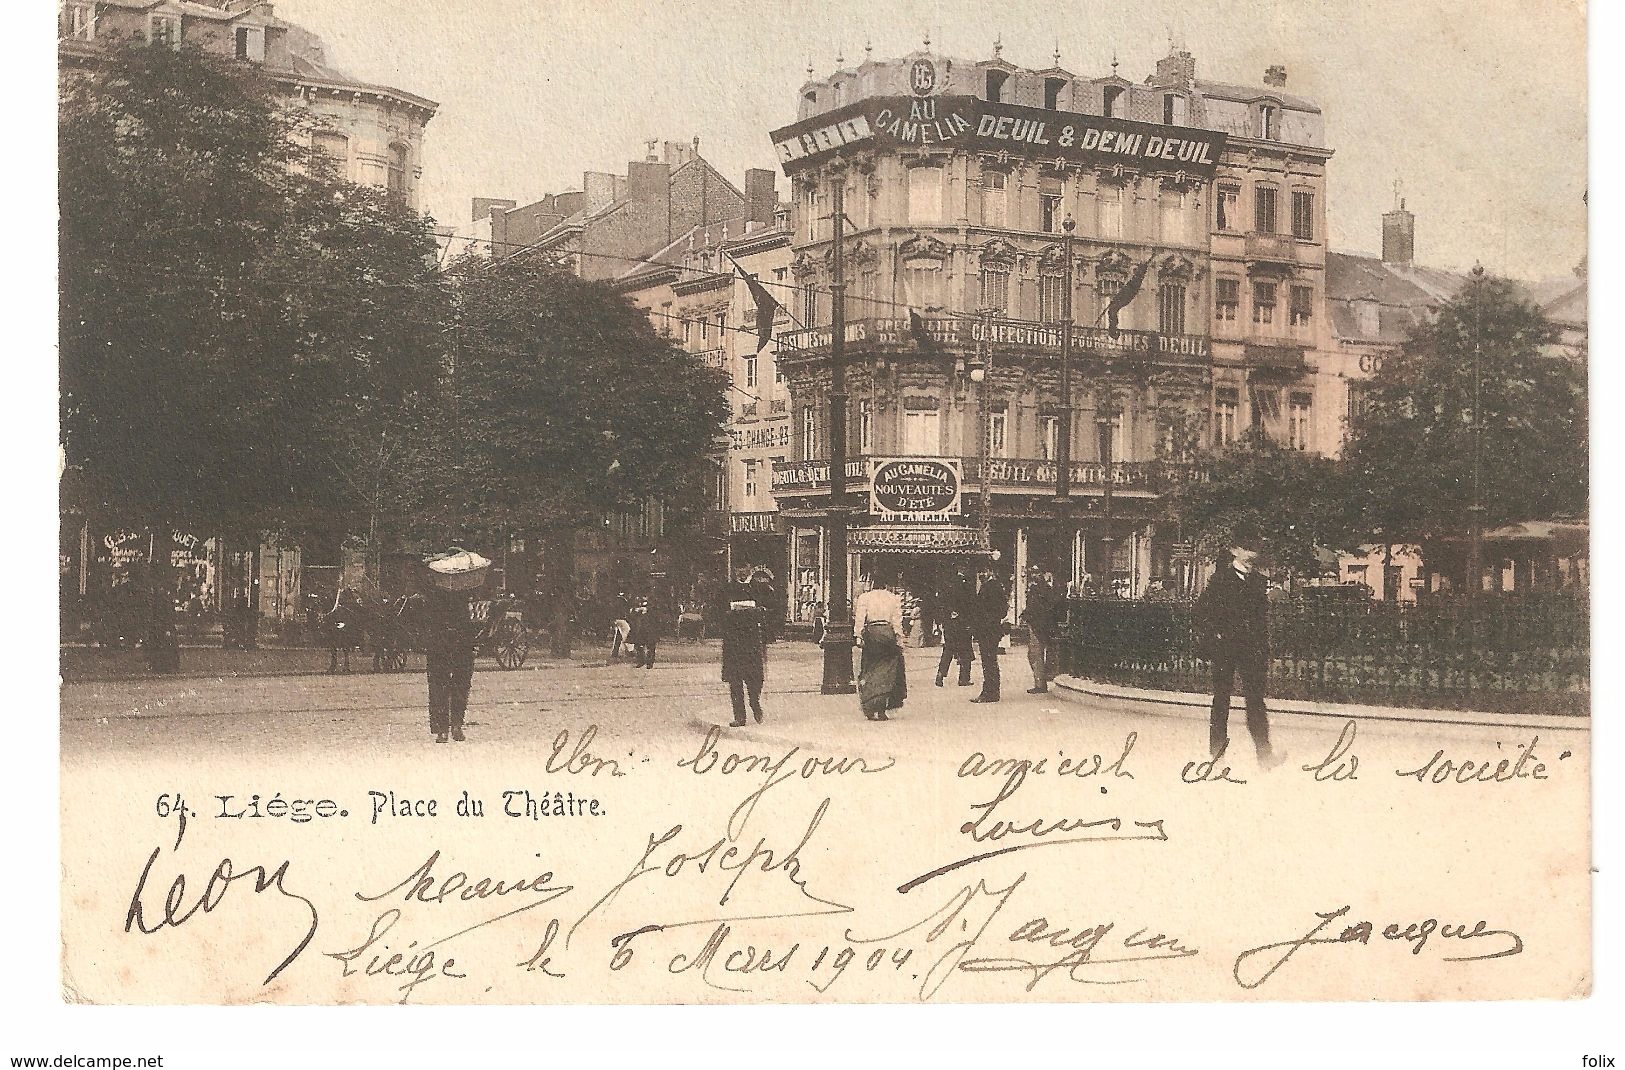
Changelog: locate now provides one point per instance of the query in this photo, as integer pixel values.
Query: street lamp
(1063, 451)
(839, 638)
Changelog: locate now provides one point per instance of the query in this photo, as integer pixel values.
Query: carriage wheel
(512, 646)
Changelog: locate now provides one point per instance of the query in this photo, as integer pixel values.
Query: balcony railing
(1271, 249)
(1088, 477)
(957, 335)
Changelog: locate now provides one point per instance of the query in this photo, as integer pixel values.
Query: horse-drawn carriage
(394, 630)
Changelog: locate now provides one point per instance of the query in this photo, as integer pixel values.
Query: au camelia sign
(914, 489)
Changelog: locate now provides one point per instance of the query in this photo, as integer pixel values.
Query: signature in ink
(226, 875)
(1257, 965)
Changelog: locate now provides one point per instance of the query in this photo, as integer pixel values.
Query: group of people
(1230, 619)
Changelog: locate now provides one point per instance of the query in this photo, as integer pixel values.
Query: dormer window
(1109, 100)
(995, 84)
(251, 43)
(1053, 88)
(810, 97)
(1269, 122)
(1174, 109)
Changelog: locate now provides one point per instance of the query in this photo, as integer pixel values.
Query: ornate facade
(1204, 201)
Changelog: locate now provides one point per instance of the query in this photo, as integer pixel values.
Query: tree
(1473, 408)
(1294, 502)
(561, 404)
(234, 319)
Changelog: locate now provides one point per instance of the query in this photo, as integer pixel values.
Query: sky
(1477, 107)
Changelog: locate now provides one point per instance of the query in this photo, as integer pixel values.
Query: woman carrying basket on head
(878, 618)
(450, 637)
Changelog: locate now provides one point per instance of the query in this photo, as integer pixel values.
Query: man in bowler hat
(1232, 622)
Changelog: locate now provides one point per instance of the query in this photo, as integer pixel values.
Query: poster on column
(539, 698)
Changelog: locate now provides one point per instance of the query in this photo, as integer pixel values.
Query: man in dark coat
(953, 610)
(1232, 623)
(988, 607)
(744, 637)
(449, 635)
(647, 626)
(1040, 613)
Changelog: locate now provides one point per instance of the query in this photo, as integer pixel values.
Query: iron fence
(1527, 653)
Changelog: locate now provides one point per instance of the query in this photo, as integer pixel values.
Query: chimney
(1398, 236)
(1275, 76)
(761, 198)
(1177, 69)
(484, 206)
(599, 188)
(676, 153)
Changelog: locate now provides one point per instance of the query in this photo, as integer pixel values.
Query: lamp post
(979, 376)
(1106, 414)
(1475, 512)
(838, 635)
(1063, 450)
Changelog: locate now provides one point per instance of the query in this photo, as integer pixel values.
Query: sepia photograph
(728, 503)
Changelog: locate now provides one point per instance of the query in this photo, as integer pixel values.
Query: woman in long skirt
(882, 682)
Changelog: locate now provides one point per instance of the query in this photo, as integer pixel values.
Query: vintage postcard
(714, 503)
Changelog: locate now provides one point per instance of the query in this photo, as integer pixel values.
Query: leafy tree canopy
(1416, 452)
(236, 320)
(1294, 502)
(563, 403)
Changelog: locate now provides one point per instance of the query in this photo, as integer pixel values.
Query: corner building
(958, 179)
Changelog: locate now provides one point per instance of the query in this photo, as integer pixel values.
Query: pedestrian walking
(620, 626)
(744, 642)
(645, 634)
(1232, 622)
(878, 618)
(450, 635)
(988, 607)
(953, 608)
(1040, 616)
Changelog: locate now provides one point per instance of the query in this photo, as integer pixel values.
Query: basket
(458, 570)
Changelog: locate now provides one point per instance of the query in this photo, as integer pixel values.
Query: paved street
(303, 710)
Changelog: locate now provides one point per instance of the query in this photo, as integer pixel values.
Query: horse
(341, 628)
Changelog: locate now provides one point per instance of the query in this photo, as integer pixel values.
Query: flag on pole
(1121, 299)
(766, 306)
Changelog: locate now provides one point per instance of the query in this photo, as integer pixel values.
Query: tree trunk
(561, 572)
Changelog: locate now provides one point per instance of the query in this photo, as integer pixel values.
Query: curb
(1341, 711)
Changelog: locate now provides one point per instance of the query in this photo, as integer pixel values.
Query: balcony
(960, 336)
(1089, 478)
(1270, 252)
(1283, 354)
